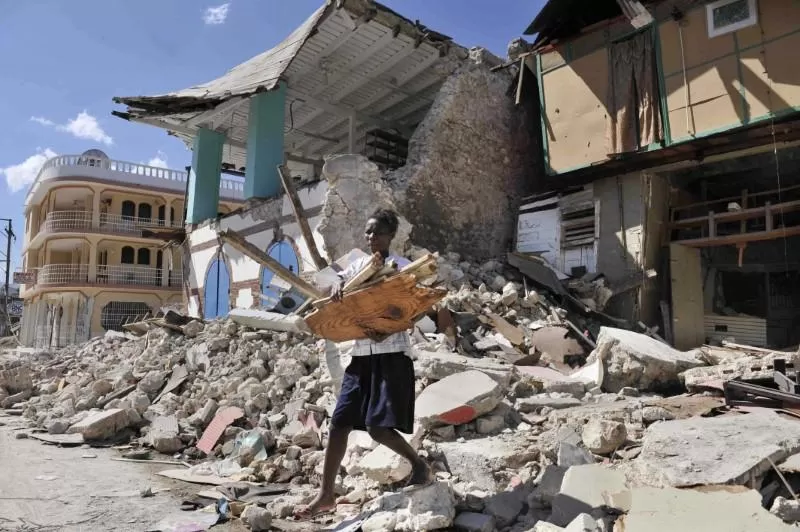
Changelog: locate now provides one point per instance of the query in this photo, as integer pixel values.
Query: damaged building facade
(670, 134)
(357, 108)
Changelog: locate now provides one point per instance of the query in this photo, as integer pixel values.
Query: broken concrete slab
(457, 399)
(732, 449)
(583, 490)
(544, 526)
(583, 523)
(383, 465)
(537, 402)
(101, 425)
(639, 361)
(428, 508)
(437, 366)
(270, 321)
(477, 460)
(669, 509)
(745, 368)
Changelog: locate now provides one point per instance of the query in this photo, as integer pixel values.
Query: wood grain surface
(386, 308)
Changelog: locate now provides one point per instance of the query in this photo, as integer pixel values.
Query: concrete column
(165, 266)
(92, 262)
(265, 143)
(56, 325)
(96, 210)
(204, 183)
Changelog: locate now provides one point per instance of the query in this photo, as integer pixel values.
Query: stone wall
(470, 162)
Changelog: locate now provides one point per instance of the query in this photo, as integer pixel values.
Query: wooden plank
(302, 221)
(387, 307)
(238, 242)
(687, 296)
(741, 215)
(739, 238)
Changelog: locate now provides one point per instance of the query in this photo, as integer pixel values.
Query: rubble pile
(524, 426)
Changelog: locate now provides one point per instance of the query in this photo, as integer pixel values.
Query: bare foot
(420, 475)
(320, 505)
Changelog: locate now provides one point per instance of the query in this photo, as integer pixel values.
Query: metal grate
(117, 313)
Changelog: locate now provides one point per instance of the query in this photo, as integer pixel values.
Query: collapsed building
(427, 127)
(669, 134)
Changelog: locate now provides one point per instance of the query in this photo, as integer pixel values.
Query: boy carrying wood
(377, 392)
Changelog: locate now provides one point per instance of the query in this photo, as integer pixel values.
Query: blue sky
(63, 61)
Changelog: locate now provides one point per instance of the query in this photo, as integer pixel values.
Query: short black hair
(387, 218)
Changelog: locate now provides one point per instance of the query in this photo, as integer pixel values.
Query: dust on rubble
(534, 416)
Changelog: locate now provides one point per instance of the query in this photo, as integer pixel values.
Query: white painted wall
(243, 268)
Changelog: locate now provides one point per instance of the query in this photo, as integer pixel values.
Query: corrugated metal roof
(261, 73)
(350, 57)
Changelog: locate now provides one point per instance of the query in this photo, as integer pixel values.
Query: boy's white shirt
(395, 343)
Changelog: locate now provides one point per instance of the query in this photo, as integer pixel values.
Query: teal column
(203, 198)
(265, 143)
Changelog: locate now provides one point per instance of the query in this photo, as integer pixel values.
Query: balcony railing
(132, 173)
(112, 223)
(118, 275)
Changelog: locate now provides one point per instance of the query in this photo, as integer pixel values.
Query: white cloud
(216, 15)
(19, 176)
(43, 121)
(159, 161)
(83, 126)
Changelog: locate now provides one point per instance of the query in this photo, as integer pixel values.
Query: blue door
(217, 291)
(275, 298)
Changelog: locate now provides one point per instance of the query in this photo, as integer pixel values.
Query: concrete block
(477, 460)
(639, 361)
(728, 509)
(437, 366)
(101, 425)
(603, 436)
(457, 399)
(270, 321)
(583, 489)
(718, 450)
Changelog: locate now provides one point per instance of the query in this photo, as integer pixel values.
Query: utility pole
(9, 231)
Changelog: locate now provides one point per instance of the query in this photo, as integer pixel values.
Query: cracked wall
(470, 162)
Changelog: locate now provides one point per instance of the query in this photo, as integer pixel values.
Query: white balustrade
(174, 179)
(112, 223)
(122, 274)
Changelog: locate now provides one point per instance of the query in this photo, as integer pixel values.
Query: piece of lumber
(745, 347)
(511, 333)
(422, 268)
(302, 221)
(238, 242)
(363, 275)
(386, 307)
(739, 238)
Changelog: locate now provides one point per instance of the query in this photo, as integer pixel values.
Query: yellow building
(94, 253)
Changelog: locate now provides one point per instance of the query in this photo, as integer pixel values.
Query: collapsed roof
(351, 57)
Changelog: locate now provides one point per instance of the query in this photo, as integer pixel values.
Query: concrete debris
(458, 399)
(723, 510)
(636, 360)
(584, 490)
(603, 436)
(733, 449)
(787, 510)
(744, 368)
(513, 432)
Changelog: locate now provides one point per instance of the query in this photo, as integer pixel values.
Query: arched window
(128, 255)
(145, 211)
(280, 297)
(143, 257)
(216, 291)
(162, 213)
(129, 209)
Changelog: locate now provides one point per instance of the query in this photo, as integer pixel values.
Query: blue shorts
(377, 391)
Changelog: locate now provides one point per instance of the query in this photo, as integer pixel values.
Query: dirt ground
(48, 488)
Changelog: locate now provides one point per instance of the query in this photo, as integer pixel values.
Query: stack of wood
(378, 299)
